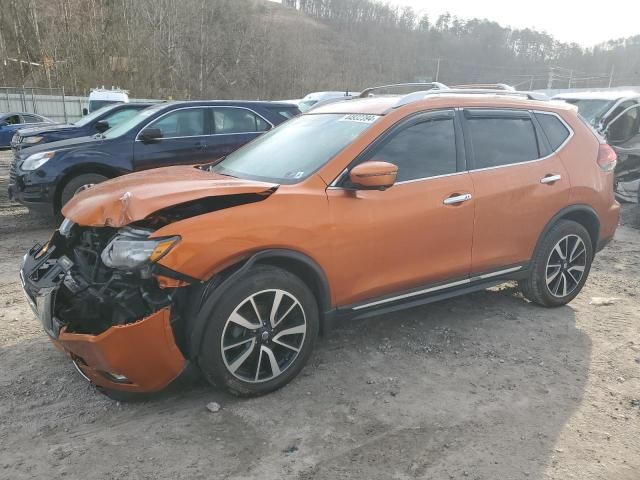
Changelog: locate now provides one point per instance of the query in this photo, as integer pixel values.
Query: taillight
(607, 157)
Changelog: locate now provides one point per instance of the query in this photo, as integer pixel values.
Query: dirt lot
(483, 387)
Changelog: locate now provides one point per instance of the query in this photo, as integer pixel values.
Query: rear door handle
(454, 200)
(550, 178)
(201, 145)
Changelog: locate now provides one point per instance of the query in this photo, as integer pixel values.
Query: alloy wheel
(263, 336)
(566, 265)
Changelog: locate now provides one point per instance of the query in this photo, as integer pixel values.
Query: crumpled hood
(133, 197)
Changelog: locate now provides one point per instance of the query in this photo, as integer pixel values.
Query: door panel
(221, 145)
(233, 127)
(185, 140)
(513, 201)
(401, 238)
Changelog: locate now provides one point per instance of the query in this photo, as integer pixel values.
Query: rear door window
(556, 132)
(501, 137)
(31, 119)
(285, 112)
(421, 150)
(229, 120)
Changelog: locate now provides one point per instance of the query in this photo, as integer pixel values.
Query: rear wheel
(560, 265)
(78, 184)
(261, 334)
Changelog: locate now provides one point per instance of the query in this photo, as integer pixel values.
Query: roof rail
(416, 96)
(485, 86)
(434, 86)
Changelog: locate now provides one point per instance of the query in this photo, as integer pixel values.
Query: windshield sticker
(357, 117)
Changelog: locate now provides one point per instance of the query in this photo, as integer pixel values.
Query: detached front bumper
(138, 357)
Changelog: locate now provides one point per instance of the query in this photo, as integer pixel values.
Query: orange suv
(356, 208)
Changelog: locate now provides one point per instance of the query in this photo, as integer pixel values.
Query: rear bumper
(141, 356)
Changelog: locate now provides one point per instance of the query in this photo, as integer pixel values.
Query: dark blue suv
(96, 122)
(47, 176)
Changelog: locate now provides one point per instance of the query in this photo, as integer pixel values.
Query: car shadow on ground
(474, 387)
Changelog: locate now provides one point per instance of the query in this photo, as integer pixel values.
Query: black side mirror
(4, 123)
(150, 135)
(85, 111)
(102, 126)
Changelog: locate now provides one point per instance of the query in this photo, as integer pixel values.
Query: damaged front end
(101, 298)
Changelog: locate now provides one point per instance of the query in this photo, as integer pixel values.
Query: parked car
(46, 176)
(312, 98)
(360, 208)
(11, 122)
(99, 121)
(615, 115)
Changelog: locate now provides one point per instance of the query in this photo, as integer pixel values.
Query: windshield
(592, 110)
(93, 115)
(133, 122)
(296, 149)
(97, 104)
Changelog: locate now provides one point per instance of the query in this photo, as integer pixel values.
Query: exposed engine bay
(97, 287)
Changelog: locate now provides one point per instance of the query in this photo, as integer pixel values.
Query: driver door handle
(456, 199)
(550, 178)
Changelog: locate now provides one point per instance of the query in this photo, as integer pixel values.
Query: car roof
(383, 104)
(240, 103)
(596, 95)
(329, 94)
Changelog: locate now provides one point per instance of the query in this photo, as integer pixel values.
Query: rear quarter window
(556, 132)
(285, 112)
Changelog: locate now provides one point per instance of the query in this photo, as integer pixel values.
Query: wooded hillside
(257, 49)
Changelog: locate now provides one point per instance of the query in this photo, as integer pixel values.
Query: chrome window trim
(414, 180)
(439, 287)
(271, 125)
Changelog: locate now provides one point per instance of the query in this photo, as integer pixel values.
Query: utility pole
(611, 75)
(550, 80)
(531, 83)
(570, 78)
(437, 69)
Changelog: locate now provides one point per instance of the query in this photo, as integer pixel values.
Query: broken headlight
(131, 249)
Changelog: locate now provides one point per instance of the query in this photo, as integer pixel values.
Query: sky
(584, 22)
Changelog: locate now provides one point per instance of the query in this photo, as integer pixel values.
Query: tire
(256, 360)
(552, 280)
(78, 183)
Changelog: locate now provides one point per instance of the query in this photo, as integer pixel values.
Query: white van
(99, 97)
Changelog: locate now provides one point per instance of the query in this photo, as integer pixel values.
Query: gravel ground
(486, 386)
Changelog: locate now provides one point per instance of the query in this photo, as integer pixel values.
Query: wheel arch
(582, 214)
(73, 172)
(292, 261)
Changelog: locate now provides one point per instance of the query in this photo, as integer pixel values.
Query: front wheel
(261, 334)
(560, 265)
(78, 184)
